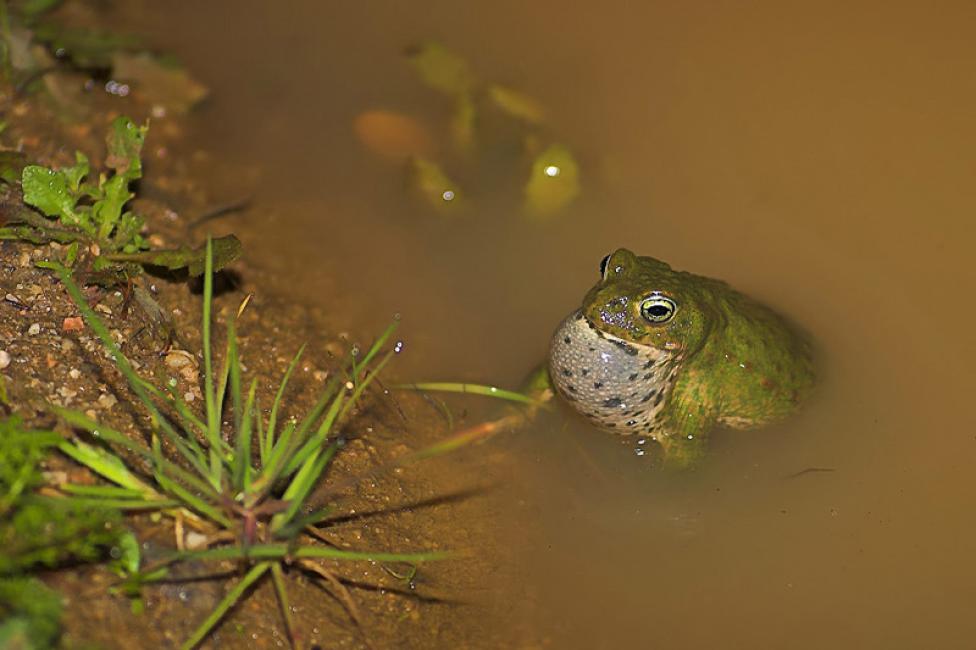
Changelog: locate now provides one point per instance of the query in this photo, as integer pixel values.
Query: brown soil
(416, 508)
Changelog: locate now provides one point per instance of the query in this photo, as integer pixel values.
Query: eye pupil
(658, 309)
(603, 265)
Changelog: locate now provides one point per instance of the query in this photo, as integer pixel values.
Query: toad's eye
(658, 309)
(603, 266)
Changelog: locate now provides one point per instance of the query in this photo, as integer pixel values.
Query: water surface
(818, 156)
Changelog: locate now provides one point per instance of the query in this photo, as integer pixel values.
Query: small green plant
(246, 487)
(89, 214)
(37, 532)
(94, 211)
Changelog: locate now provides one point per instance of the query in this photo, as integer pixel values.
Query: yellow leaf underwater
(428, 180)
(392, 135)
(553, 182)
(517, 104)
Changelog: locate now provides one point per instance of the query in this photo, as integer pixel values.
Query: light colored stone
(4, 359)
(107, 400)
(179, 358)
(195, 541)
(34, 329)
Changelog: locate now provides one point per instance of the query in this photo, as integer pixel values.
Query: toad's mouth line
(628, 346)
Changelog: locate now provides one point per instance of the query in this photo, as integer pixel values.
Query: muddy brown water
(819, 156)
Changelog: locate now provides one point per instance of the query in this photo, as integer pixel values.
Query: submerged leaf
(225, 250)
(463, 123)
(124, 142)
(430, 181)
(159, 82)
(392, 135)
(517, 104)
(441, 69)
(553, 183)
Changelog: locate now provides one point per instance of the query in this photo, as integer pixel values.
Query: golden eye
(658, 309)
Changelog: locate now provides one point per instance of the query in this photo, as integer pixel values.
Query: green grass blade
(298, 524)
(273, 417)
(211, 402)
(210, 397)
(301, 485)
(280, 551)
(270, 471)
(361, 386)
(259, 431)
(234, 595)
(472, 389)
(242, 447)
(192, 501)
(373, 350)
(126, 504)
(119, 359)
(104, 491)
(98, 430)
(106, 465)
(110, 435)
(327, 552)
(277, 575)
(191, 423)
(300, 435)
(317, 439)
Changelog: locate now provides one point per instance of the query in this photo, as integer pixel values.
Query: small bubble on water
(355, 351)
(552, 171)
(398, 347)
(690, 437)
(641, 441)
(639, 451)
(448, 195)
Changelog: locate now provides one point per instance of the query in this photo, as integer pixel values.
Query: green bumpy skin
(669, 354)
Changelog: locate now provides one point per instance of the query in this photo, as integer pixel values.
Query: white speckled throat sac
(619, 386)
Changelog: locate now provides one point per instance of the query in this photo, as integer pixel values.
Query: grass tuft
(247, 488)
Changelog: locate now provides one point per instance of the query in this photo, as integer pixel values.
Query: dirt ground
(439, 505)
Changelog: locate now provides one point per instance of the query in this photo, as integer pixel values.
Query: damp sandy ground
(818, 156)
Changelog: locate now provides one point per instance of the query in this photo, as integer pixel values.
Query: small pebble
(72, 324)
(34, 329)
(195, 540)
(188, 396)
(107, 400)
(178, 358)
(4, 359)
(74, 373)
